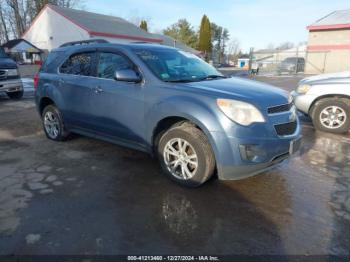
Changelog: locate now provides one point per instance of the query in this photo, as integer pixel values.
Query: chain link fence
(288, 62)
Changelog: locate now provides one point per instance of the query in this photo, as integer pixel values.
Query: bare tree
(270, 46)
(4, 34)
(233, 47)
(285, 45)
(70, 3)
(233, 50)
(17, 15)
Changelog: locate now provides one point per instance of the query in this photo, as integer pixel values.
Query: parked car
(10, 81)
(326, 99)
(168, 103)
(292, 65)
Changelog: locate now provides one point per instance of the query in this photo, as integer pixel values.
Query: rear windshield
(51, 61)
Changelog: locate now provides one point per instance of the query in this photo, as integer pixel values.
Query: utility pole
(297, 60)
(250, 59)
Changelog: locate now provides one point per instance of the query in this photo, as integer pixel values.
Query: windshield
(172, 65)
(290, 60)
(2, 53)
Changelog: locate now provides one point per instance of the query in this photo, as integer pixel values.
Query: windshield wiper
(209, 77)
(181, 81)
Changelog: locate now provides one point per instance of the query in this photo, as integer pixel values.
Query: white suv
(326, 99)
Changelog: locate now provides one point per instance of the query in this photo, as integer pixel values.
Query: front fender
(200, 112)
(318, 92)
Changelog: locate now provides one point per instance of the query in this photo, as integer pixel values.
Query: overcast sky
(255, 23)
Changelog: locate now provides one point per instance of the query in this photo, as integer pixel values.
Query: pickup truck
(10, 81)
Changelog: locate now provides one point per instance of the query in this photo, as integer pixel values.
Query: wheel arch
(167, 122)
(44, 102)
(318, 99)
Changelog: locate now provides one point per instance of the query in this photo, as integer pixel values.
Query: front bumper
(8, 86)
(231, 165)
(303, 102)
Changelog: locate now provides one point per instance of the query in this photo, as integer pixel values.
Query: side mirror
(127, 75)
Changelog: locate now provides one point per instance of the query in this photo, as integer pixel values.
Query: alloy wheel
(180, 158)
(333, 117)
(51, 125)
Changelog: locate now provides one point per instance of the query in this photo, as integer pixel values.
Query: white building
(329, 44)
(22, 51)
(55, 25)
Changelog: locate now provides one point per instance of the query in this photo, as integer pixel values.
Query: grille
(13, 77)
(286, 129)
(280, 108)
(2, 74)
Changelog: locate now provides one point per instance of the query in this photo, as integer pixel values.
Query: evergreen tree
(183, 31)
(143, 25)
(204, 43)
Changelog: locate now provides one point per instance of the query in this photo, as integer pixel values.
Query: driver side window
(109, 63)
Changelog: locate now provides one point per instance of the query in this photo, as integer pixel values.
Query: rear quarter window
(78, 64)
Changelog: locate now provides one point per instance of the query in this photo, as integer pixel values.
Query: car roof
(129, 46)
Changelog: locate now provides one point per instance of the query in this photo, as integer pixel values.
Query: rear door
(76, 79)
(118, 106)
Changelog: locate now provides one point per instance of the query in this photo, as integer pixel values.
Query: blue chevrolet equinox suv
(168, 103)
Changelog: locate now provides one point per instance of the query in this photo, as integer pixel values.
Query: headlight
(240, 112)
(12, 72)
(303, 89)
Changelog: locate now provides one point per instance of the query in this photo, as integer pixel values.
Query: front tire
(53, 124)
(15, 95)
(186, 155)
(332, 115)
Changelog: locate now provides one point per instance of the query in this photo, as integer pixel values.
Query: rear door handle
(98, 90)
(61, 81)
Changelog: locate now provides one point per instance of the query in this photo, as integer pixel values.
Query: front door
(118, 107)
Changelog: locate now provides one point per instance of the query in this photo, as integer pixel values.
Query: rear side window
(52, 60)
(78, 64)
(109, 63)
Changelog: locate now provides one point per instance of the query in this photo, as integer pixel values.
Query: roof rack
(85, 42)
(140, 42)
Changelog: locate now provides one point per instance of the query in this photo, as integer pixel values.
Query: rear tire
(53, 124)
(15, 95)
(186, 156)
(332, 115)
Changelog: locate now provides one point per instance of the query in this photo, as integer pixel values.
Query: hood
(7, 63)
(257, 93)
(327, 78)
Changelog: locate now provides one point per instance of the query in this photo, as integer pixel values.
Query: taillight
(36, 80)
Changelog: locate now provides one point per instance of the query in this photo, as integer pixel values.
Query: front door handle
(98, 90)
